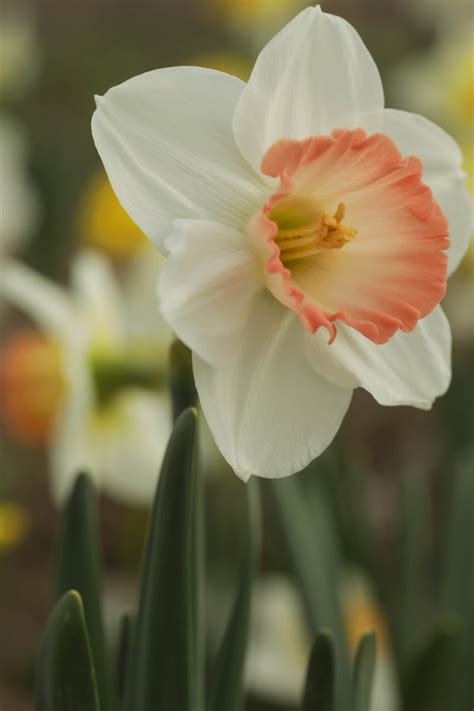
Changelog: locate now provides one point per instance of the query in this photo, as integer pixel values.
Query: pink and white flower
(309, 234)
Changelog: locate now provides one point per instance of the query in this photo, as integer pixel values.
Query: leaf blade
(227, 683)
(318, 692)
(78, 568)
(165, 670)
(310, 541)
(66, 679)
(364, 669)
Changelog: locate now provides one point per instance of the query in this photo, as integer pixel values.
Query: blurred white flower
(289, 214)
(280, 640)
(279, 644)
(19, 55)
(105, 357)
(18, 203)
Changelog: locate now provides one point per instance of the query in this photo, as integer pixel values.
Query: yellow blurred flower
(14, 525)
(104, 224)
(251, 11)
(228, 62)
(468, 153)
(362, 613)
(458, 81)
(255, 20)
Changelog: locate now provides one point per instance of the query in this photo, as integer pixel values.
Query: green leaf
(364, 668)
(66, 678)
(457, 584)
(78, 568)
(227, 681)
(167, 657)
(127, 623)
(318, 693)
(408, 604)
(311, 545)
(183, 389)
(429, 683)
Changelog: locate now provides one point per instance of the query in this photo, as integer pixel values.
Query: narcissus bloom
(308, 232)
(18, 203)
(90, 384)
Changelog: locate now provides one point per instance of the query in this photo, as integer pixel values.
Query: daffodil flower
(307, 231)
(18, 203)
(89, 382)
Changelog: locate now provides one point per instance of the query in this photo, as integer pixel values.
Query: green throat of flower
(305, 230)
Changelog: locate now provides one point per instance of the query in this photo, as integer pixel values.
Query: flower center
(303, 235)
(392, 275)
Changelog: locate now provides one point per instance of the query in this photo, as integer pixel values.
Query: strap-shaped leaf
(183, 389)
(318, 692)
(431, 682)
(408, 603)
(66, 678)
(364, 668)
(166, 658)
(127, 622)
(310, 542)
(78, 568)
(457, 583)
(227, 682)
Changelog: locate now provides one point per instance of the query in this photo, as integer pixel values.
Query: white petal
(19, 207)
(98, 299)
(207, 286)
(166, 141)
(269, 411)
(442, 161)
(143, 321)
(130, 447)
(45, 302)
(69, 450)
(410, 369)
(314, 76)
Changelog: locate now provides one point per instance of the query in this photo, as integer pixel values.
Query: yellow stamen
(304, 241)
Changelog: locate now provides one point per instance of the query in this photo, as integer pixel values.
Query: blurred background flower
(104, 224)
(92, 385)
(254, 21)
(18, 201)
(84, 356)
(20, 51)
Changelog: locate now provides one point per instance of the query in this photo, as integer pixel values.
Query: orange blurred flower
(32, 384)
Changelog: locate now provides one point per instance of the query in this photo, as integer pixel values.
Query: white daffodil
(307, 247)
(95, 377)
(19, 56)
(280, 642)
(18, 204)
